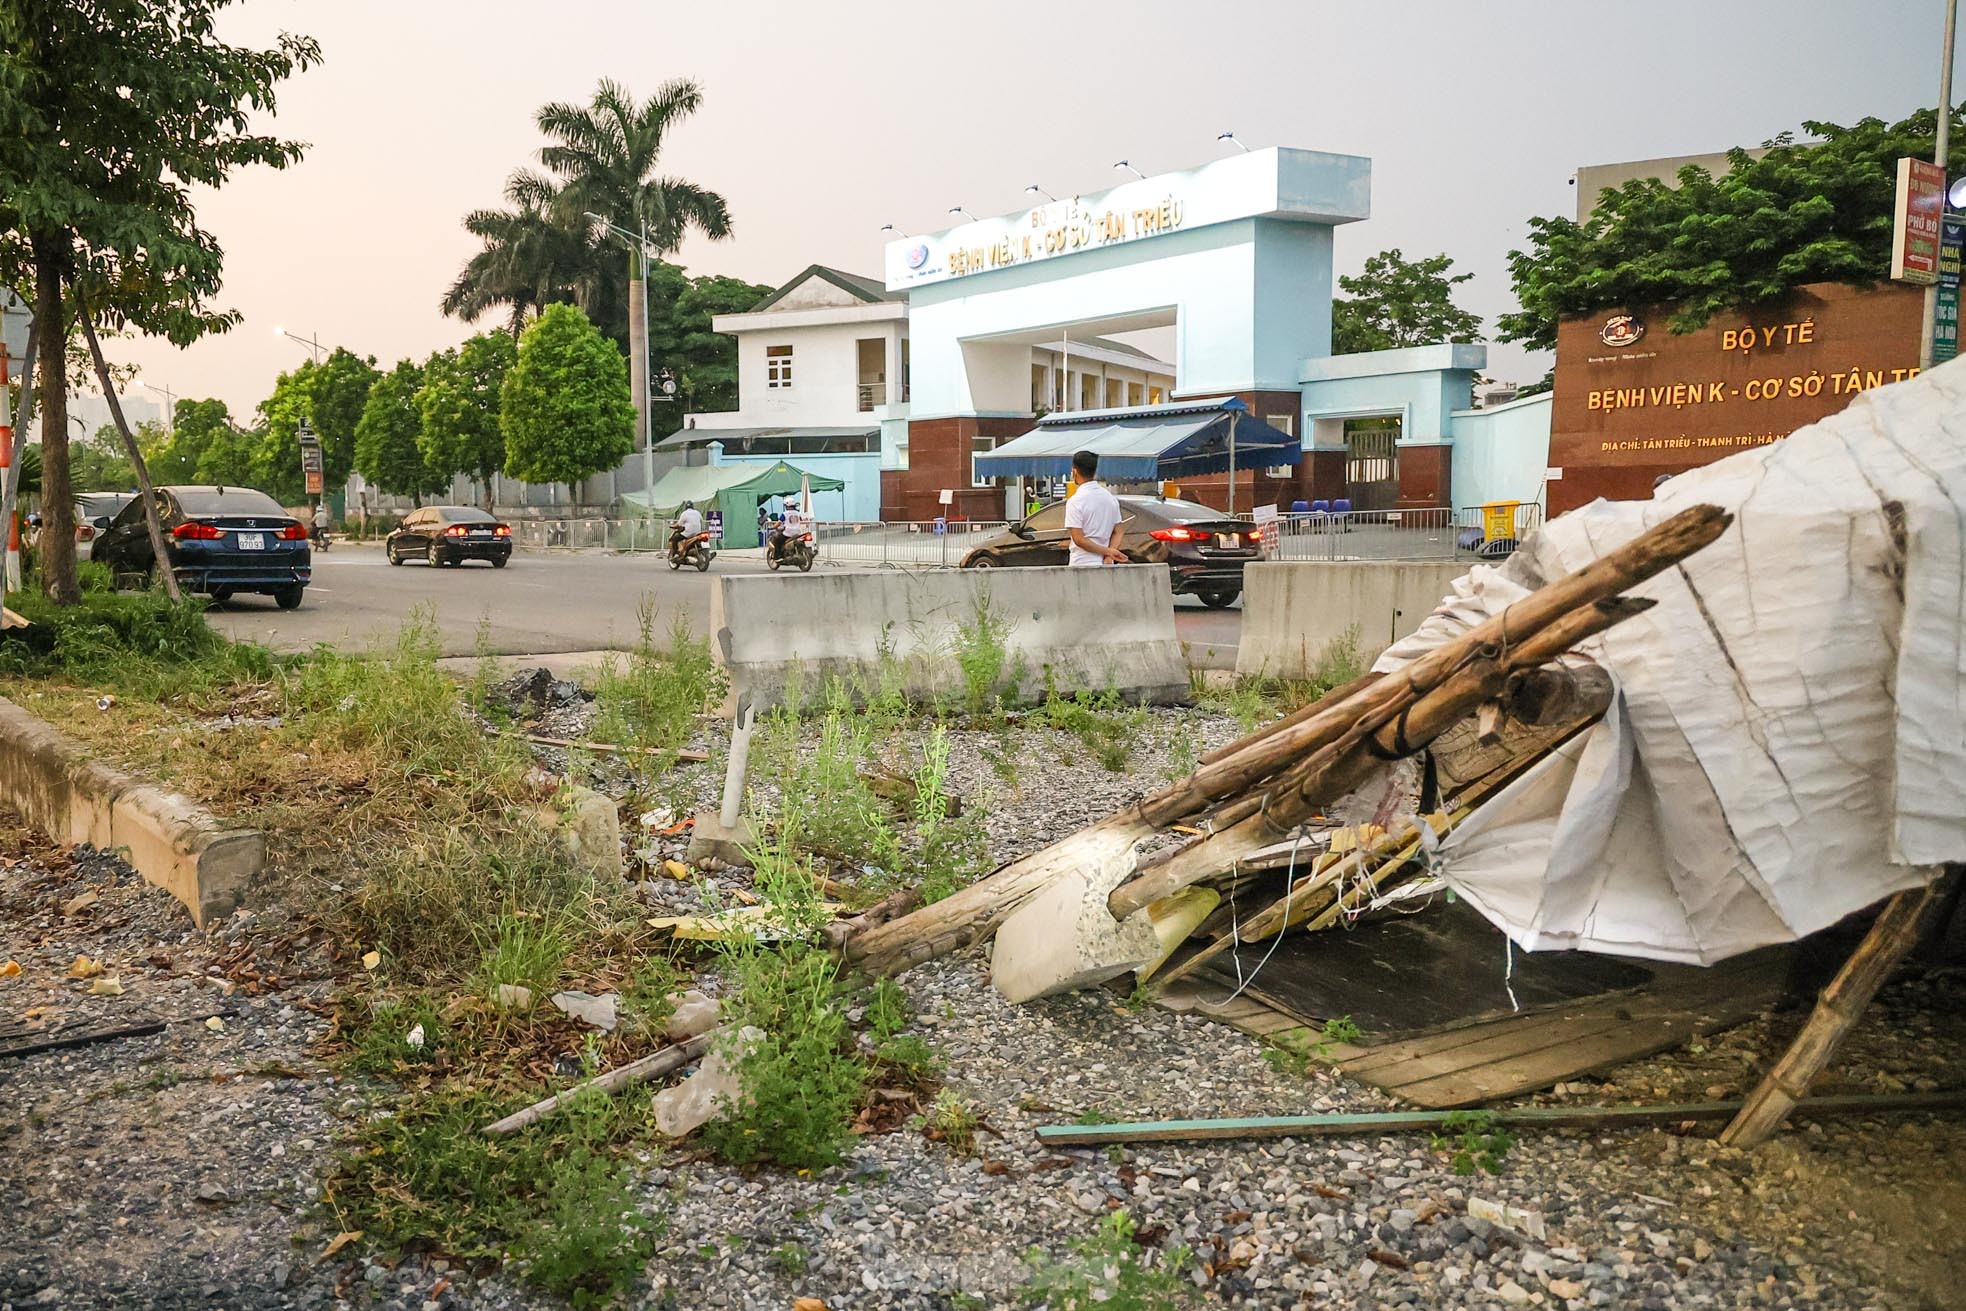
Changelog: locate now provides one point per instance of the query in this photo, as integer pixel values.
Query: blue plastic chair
(1320, 507)
(1341, 507)
(1300, 507)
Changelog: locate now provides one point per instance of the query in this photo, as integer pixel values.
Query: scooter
(800, 550)
(320, 540)
(695, 549)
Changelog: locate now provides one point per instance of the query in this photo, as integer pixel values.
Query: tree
(386, 451)
(458, 405)
(529, 261)
(682, 340)
(230, 457)
(564, 408)
(275, 467)
(113, 114)
(1801, 213)
(1398, 302)
(195, 425)
(335, 400)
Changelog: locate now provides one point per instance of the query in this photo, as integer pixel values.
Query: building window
(1283, 423)
(778, 367)
(980, 445)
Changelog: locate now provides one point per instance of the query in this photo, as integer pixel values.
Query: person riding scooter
(688, 524)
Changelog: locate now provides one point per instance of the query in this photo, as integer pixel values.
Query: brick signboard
(1633, 400)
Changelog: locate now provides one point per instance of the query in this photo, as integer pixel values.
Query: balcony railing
(871, 395)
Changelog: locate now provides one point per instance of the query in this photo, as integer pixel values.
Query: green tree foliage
(1398, 302)
(230, 458)
(335, 400)
(386, 451)
(113, 115)
(458, 405)
(681, 339)
(195, 426)
(528, 261)
(564, 408)
(275, 467)
(98, 464)
(1801, 213)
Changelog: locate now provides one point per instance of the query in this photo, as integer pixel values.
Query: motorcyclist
(688, 524)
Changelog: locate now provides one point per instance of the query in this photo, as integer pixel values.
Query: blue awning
(1145, 443)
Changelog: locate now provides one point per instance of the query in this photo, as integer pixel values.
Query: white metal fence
(590, 534)
(896, 544)
(1437, 533)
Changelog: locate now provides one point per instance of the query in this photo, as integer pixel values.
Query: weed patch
(1109, 1270)
(1476, 1141)
(652, 699)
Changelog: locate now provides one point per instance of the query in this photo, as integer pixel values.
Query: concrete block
(1088, 629)
(591, 828)
(1293, 610)
(708, 837)
(1063, 937)
(167, 838)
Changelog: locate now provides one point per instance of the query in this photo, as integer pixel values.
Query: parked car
(449, 534)
(1203, 549)
(93, 513)
(220, 540)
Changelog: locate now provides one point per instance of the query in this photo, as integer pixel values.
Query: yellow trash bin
(1498, 521)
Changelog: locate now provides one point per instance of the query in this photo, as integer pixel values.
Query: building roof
(1146, 441)
(699, 436)
(870, 290)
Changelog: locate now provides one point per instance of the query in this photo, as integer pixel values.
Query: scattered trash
(84, 968)
(1518, 1219)
(756, 922)
(339, 1241)
(11, 970)
(675, 869)
(808, 1304)
(76, 905)
(697, 1100)
(106, 986)
(514, 997)
(371, 959)
(214, 1194)
(693, 1013)
(105, 702)
(215, 1024)
(659, 818)
(589, 1009)
(414, 1038)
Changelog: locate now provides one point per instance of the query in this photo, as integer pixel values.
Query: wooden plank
(26, 1042)
(1369, 1123)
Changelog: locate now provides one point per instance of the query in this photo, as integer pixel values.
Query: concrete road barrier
(1292, 612)
(61, 789)
(1092, 630)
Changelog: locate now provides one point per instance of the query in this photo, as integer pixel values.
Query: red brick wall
(1425, 476)
(938, 458)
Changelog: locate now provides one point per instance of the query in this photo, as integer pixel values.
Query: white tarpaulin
(1789, 741)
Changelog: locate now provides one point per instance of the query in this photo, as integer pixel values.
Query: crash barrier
(637, 534)
(1293, 612)
(1435, 533)
(929, 631)
(61, 789)
(894, 545)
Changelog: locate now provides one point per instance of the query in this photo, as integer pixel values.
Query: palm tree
(605, 155)
(529, 261)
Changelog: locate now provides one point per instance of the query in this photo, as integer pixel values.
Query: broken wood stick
(1368, 1123)
(653, 1066)
(610, 748)
(1786, 1085)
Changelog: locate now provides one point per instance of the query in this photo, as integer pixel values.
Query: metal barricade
(1430, 533)
(899, 545)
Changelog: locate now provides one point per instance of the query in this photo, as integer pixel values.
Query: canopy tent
(735, 489)
(816, 438)
(1146, 443)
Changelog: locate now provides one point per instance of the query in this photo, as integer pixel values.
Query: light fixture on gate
(958, 209)
(1127, 164)
(1230, 137)
(1956, 194)
(893, 231)
(1035, 190)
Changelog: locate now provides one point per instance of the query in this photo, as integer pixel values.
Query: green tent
(735, 489)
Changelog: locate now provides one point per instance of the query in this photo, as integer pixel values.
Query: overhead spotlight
(890, 228)
(958, 209)
(1127, 164)
(1230, 137)
(1035, 190)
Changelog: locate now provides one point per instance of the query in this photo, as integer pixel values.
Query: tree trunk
(158, 550)
(57, 542)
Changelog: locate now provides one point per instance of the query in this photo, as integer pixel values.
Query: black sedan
(220, 541)
(1203, 549)
(450, 534)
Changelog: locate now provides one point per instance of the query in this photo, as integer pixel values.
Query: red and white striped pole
(10, 561)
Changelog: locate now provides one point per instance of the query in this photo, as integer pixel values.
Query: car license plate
(1227, 541)
(481, 532)
(252, 541)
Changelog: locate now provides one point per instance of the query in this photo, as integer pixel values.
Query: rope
(1235, 923)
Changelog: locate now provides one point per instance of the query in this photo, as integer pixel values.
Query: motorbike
(798, 549)
(694, 549)
(320, 540)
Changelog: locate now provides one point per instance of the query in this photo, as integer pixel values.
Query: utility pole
(1941, 150)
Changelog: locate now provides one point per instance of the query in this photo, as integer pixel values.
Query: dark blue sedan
(221, 541)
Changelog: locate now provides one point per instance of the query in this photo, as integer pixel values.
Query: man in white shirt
(1092, 517)
(690, 520)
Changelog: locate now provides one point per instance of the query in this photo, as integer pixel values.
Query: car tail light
(503, 531)
(1177, 535)
(1256, 534)
(294, 532)
(83, 532)
(456, 530)
(197, 532)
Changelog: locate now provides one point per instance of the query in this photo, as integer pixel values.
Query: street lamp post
(1942, 148)
(638, 339)
(309, 342)
(170, 407)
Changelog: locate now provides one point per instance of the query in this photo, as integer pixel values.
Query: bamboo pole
(1895, 933)
(159, 553)
(648, 1067)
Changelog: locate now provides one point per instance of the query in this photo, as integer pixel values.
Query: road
(544, 603)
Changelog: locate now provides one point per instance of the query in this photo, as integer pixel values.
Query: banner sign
(1921, 200)
(1945, 318)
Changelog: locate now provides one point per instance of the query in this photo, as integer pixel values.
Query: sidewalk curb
(61, 789)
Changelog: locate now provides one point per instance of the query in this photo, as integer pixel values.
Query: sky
(824, 119)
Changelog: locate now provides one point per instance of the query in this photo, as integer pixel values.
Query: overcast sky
(824, 119)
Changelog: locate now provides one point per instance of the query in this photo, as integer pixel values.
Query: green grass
(652, 698)
(1109, 1271)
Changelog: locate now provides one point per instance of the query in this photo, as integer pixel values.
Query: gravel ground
(178, 1170)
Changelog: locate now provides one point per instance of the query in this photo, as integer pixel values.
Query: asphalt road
(542, 604)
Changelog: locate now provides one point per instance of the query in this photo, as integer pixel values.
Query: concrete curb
(61, 789)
